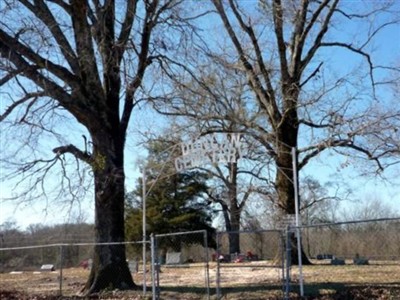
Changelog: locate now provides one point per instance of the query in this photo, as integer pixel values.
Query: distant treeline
(12, 236)
(34, 256)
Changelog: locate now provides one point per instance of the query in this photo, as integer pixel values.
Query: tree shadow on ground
(323, 291)
(248, 292)
(356, 291)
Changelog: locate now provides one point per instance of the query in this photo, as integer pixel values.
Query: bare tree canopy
(304, 75)
(84, 62)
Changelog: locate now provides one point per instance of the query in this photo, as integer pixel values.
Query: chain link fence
(59, 269)
(255, 270)
(356, 255)
(181, 264)
(346, 257)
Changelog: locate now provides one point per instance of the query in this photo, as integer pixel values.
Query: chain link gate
(258, 267)
(181, 263)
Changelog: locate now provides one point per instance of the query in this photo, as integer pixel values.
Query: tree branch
(84, 47)
(315, 72)
(8, 43)
(49, 87)
(84, 156)
(17, 103)
(358, 51)
(126, 28)
(42, 11)
(331, 143)
(278, 21)
(265, 97)
(324, 29)
(149, 23)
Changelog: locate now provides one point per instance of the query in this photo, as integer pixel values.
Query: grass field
(378, 280)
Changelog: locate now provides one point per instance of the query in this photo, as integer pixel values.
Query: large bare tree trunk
(231, 206)
(235, 210)
(231, 213)
(284, 181)
(110, 269)
(234, 235)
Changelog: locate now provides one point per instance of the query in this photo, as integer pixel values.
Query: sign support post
(144, 228)
(297, 209)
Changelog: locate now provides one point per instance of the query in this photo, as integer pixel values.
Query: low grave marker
(47, 267)
(174, 258)
(337, 262)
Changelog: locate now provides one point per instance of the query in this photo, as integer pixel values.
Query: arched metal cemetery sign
(215, 148)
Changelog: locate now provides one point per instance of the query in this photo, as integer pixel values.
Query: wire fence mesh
(182, 264)
(358, 255)
(349, 257)
(57, 269)
(255, 268)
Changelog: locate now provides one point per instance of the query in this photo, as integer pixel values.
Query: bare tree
(301, 31)
(203, 102)
(83, 62)
(312, 79)
(369, 208)
(319, 203)
(295, 94)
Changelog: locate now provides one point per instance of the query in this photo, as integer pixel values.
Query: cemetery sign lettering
(215, 148)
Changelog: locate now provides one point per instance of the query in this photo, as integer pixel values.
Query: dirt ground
(379, 280)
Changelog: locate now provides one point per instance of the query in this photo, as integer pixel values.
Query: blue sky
(326, 168)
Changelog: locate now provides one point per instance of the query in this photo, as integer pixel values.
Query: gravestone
(360, 261)
(90, 263)
(337, 262)
(324, 256)
(133, 266)
(47, 267)
(174, 258)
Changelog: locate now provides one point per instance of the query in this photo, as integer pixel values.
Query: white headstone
(90, 263)
(174, 258)
(47, 267)
(133, 266)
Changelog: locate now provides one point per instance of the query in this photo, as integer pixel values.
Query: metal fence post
(283, 255)
(218, 279)
(288, 261)
(154, 267)
(207, 275)
(299, 249)
(157, 279)
(61, 268)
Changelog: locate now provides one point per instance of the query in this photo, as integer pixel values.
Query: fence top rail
(71, 244)
(251, 231)
(347, 222)
(181, 233)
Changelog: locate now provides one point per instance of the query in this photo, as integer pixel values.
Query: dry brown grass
(379, 280)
